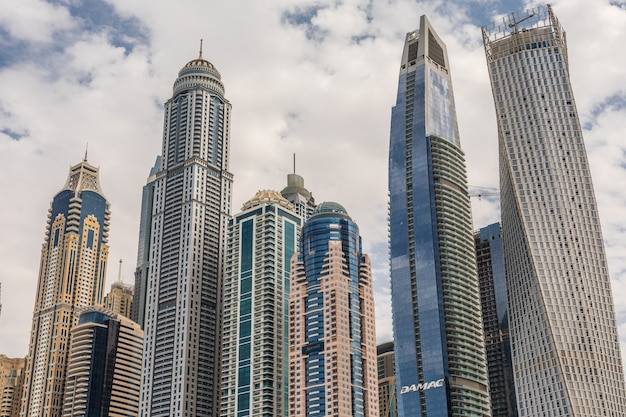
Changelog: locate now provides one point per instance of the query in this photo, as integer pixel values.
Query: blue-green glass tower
(439, 346)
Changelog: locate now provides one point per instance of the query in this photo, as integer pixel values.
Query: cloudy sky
(312, 77)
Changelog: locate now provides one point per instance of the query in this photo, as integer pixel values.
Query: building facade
(493, 297)
(566, 353)
(441, 368)
(387, 393)
(138, 313)
(301, 198)
(120, 299)
(72, 272)
(190, 212)
(332, 335)
(11, 385)
(261, 240)
(104, 370)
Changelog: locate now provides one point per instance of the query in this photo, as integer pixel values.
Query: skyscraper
(11, 385)
(387, 397)
(71, 275)
(190, 212)
(295, 192)
(566, 354)
(138, 314)
(104, 369)
(332, 335)
(490, 261)
(120, 299)
(438, 337)
(261, 240)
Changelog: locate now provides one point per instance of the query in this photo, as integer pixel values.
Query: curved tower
(71, 275)
(190, 211)
(332, 331)
(441, 368)
(564, 340)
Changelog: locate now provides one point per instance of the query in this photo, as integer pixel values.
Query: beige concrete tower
(11, 384)
(564, 340)
(71, 274)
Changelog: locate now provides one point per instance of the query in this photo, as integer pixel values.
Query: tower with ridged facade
(190, 212)
(564, 340)
(72, 272)
(441, 368)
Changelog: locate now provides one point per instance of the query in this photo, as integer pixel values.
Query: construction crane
(515, 22)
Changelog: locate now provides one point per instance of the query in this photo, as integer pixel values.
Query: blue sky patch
(613, 103)
(302, 17)
(12, 134)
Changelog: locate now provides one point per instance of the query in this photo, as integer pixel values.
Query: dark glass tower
(438, 337)
(490, 261)
(190, 212)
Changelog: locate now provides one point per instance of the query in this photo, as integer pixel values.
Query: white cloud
(33, 20)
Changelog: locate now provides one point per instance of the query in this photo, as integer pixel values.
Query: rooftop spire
(294, 162)
(200, 57)
(86, 149)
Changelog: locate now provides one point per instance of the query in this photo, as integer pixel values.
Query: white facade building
(191, 208)
(565, 346)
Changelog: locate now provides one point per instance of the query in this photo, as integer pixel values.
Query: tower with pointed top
(72, 273)
(441, 368)
(295, 192)
(191, 207)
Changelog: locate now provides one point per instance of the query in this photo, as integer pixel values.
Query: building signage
(421, 387)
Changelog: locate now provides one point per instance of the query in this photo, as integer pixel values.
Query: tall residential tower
(190, 212)
(71, 275)
(261, 240)
(332, 334)
(566, 353)
(438, 337)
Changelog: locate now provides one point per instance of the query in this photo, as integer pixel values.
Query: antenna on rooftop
(119, 274)
(86, 149)
(294, 162)
(515, 22)
(200, 57)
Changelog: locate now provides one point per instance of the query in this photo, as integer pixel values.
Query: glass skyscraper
(261, 240)
(490, 261)
(332, 334)
(566, 353)
(104, 368)
(138, 313)
(190, 213)
(72, 273)
(438, 336)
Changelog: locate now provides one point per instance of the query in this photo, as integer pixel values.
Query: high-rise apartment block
(566, 353)
(120, 299)
(190, 213)
(138, 313)
(301, 198)
(387, 393)
(441, 368)
(104, 369)
(493, 296)
(11, 384)
(332, 340)
(261, 240)
(72, 274)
